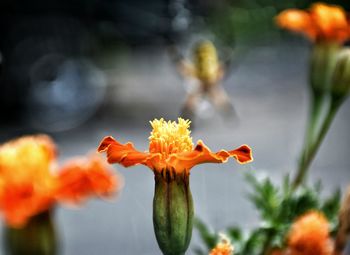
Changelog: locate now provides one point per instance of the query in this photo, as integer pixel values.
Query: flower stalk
(309, 156)
(330, 100)
(327, 26)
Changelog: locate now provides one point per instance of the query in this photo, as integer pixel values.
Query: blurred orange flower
(309, 235)
(31, 183)
(322, 22)
(170, 150)
(224, 247)
(84, 177)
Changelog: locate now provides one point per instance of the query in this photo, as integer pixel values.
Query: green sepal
(37, 237)
(172, 212)
(323, 61)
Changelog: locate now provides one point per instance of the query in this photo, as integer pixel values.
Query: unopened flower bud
(341, 75)
(173, 213)
(323, 61)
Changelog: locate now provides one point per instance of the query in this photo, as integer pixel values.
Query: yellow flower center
(169, 137)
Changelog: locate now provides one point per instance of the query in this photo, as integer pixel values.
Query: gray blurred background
(81, 70)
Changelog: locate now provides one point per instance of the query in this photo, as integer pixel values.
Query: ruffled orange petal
(86, 177)
(202, 154)
(127, 155)
(297, 21)
(103, 182)
(19, 202)
(322, 23)
(331, 21)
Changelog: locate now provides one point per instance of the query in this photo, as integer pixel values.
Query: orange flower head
(224, 247)
(171, 156)
(30, 184)
(26, 181)
(322, 22)
(309, 235)
(171, 150)
(85, 177)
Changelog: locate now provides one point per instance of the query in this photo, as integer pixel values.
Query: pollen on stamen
(169, 137)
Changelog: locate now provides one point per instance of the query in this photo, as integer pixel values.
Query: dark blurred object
(41, 40)
(28, 45)
(64, 92)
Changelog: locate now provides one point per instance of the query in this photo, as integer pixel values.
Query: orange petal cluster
(82, 178)
(31, 182)
(322, 22)
(170, 150)
(224, 247)
(309, 235)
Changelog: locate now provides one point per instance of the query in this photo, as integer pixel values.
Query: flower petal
(202, 154)
(20, 202)
(297, 21)
(331, 21)
(126, 154)
(86, 177)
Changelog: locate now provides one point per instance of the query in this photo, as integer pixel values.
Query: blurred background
(79, 70)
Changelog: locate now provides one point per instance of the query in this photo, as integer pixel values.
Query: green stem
(318, 100)
(309, 157)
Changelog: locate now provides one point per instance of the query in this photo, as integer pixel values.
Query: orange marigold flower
(309, 235)
(30, 180)
(224, 247)
(171, 156)
(170, 150)
(85, 177)
(322, 22)
(26, 181)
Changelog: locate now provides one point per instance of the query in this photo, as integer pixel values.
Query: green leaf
(209, 238)
(331, 206)
(255, 242)
(278, 207)
(234, 233)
